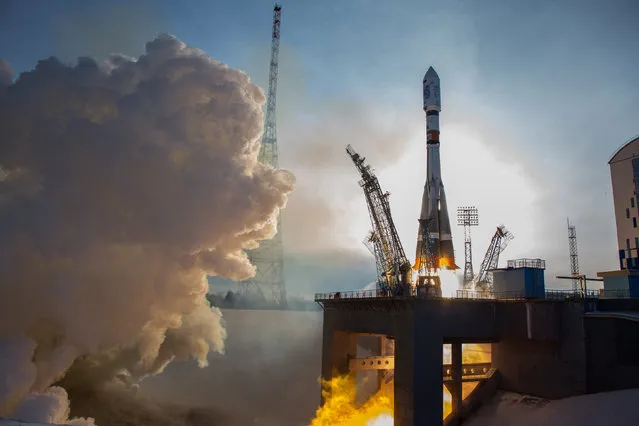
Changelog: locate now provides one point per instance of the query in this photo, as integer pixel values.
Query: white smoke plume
(122, 185)
(50, 406)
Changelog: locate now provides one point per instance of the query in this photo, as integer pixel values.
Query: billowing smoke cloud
(51, 406)
(122, 185)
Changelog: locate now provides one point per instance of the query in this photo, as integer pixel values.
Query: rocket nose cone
(431, 75)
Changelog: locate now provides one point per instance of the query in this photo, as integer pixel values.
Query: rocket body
(434, 239)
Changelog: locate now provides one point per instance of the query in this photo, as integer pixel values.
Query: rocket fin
(446, 239)
(419, 249)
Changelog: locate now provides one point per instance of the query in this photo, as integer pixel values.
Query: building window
(628, 244)
(632, 202)
(634, 222)
(637, 242)
(627, 213)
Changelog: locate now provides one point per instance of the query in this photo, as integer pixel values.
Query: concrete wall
(468, 320)
(619, 305)
(550, 364)
(536, 320)
(613, 354)
(418, 386)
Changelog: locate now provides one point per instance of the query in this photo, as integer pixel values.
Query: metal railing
(484, 295)
(476, 295)
(572, 294)
(358, 294)
(527, 263)
(503, 295)
(614, 294)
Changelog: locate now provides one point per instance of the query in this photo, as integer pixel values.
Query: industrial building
(624, 173)
(521, 278)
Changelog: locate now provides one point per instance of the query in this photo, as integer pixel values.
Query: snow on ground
(619, 408)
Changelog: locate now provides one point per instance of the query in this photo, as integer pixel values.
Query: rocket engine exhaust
(434, 240)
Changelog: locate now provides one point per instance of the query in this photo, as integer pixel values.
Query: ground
(605, 409)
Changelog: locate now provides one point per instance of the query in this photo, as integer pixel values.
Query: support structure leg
(338, 348)
(368, 383)
(386, 381)
(418, 376)
(456, 387)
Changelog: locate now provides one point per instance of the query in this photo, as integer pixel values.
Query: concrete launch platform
(539, 347)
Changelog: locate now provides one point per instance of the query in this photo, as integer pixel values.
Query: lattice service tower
(268, 282)
(574, 258)
(467, 217)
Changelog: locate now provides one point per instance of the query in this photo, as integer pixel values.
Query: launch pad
(419, 328)
(547, 348)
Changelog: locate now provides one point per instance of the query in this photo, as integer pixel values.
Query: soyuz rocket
(435, 242)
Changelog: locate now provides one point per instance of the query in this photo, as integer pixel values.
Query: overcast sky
(536, 96)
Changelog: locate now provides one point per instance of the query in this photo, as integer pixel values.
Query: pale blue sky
(536, 97)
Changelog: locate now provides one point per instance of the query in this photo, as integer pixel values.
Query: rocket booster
(435, 242)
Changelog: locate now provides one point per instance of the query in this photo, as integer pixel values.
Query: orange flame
(471, 354)
(467, 388)
(418, 263)
(444, 263)
(447, 263)
(339, 407)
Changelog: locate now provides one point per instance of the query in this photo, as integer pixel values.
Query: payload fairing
(434, 239)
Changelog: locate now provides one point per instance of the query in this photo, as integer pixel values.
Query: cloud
(333, 269)
(314, 148)
(123, 185)
(318, 143)
(100, 29)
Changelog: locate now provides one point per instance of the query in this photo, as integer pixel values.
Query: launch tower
(467, 217)
(574, 256)
(268, 282)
